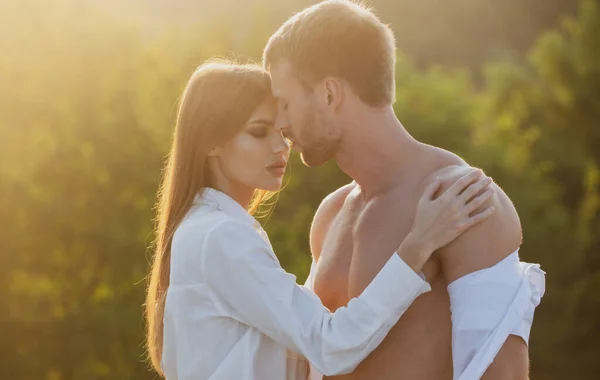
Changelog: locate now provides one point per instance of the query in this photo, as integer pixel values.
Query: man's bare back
(419, 346)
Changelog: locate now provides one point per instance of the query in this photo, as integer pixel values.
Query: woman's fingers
(475, 188)
(478, 201)
(480, 217)
(461, 184)
(431, 189)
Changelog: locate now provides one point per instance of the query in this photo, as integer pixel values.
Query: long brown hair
(217, 101)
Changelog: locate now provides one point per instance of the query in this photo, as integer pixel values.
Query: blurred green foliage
(87, 104)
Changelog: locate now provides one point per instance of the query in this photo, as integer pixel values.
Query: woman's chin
(272, 185)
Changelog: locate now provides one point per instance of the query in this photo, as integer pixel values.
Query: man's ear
(334, 92)
(214, 152)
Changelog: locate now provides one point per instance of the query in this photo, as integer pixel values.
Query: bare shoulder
(327, 211)
(449, 168)
(484, 244)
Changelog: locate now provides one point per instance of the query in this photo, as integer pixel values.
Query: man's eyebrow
(262, 121)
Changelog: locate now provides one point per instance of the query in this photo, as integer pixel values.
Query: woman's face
(256, 157)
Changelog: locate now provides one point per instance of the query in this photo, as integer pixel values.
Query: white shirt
(232, 312)
(489, 305)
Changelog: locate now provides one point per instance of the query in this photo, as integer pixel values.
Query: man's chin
(311, 160)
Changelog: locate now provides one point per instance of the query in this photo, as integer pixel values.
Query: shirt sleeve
(248, 283)
(489, 305)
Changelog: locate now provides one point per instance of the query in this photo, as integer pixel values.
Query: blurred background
(88, 95)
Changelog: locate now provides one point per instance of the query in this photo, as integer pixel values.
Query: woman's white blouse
(232, 312)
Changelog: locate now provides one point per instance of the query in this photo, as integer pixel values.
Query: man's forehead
(280, 73)
(281, 67)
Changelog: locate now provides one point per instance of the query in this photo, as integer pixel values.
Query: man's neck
(376, 150)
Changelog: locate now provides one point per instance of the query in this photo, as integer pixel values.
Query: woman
(231, 311)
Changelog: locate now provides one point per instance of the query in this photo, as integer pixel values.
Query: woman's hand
(439, 221)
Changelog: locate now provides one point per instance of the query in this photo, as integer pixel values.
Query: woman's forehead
(266, 110)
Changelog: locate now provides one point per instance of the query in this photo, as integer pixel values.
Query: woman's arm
(249, 284)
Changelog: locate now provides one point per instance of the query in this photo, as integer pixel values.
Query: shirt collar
(225, 203)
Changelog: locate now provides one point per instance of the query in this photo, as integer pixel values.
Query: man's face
(302, 118)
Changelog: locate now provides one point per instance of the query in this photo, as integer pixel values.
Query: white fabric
(489, 305)
(314, 373)
(232, 312)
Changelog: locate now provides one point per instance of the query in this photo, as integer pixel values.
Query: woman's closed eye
(258, 131)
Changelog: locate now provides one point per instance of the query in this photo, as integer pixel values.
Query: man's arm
(483, 246)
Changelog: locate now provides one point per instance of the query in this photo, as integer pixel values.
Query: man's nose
(281, 122)
(281, 144)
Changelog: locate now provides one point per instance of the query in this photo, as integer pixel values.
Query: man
(332, 69)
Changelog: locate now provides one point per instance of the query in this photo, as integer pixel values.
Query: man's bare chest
(380, 224)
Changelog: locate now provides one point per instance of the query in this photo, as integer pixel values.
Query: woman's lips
(277, 169)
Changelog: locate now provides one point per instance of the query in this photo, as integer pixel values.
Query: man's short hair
(338, 38)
